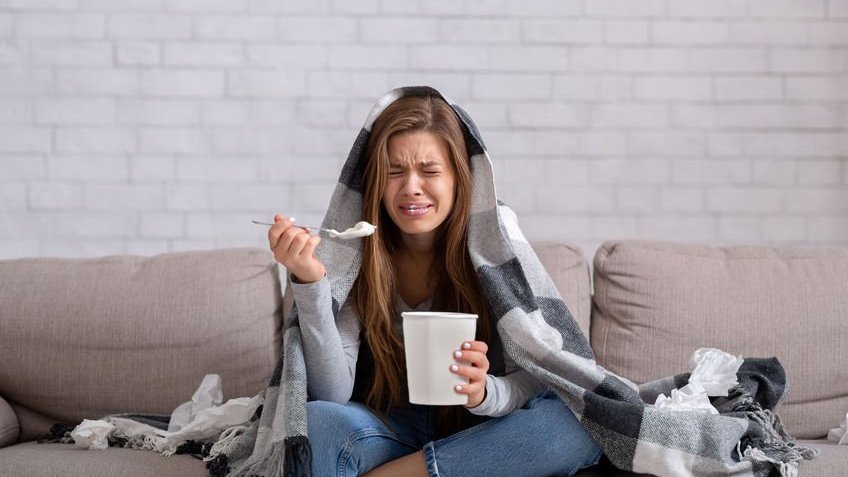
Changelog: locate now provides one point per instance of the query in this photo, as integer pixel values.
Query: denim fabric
(543, 438)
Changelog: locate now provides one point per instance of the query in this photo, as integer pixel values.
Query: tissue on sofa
(93, 434)
(839, 435)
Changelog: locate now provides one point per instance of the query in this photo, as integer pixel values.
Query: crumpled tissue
(201, 418)
(92, 434)
(715, 370)
(208, 394)
(840, 434)
(692, 397)
(713, 373)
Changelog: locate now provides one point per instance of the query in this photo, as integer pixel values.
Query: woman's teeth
(415, 209)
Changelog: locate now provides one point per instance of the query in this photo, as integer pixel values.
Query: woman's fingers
(287, 240)
(473, 365)
(298, 242)
(475, 346)
(472, 357)
(309, 250)
(470, 389)
(476, 381)
(473, 374)
(275, 232)
(294, 247)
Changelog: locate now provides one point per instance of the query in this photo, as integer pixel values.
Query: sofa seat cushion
(656, 302)
(86, 337)
(832, 461)
(30, 459)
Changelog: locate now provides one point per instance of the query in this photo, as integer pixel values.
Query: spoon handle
(296, 225)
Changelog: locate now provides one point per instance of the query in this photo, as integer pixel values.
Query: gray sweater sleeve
(509, 392)
(330, 347)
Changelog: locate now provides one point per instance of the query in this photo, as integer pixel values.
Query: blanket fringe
(298, 457)
(59, 433)
(275, 464)
(219, 466)
(786, 469)
(227, 438)
(271, 464)
(774, 445)
(290, 458)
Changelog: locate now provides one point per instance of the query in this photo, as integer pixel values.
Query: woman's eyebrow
(398, 165)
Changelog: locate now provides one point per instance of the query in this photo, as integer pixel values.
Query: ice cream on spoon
(360, 229)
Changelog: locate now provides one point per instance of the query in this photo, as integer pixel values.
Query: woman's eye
(395, 173)
(432, 172)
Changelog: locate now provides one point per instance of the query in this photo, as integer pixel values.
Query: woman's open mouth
(415, 210)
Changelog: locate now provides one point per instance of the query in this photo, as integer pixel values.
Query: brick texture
(148, 126)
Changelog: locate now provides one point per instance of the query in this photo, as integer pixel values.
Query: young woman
(416, 188)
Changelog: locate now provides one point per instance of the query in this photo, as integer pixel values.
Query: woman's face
(419, 193)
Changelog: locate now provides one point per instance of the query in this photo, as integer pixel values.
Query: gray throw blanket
(539, 333)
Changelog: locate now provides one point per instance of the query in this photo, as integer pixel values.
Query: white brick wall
(147, 126)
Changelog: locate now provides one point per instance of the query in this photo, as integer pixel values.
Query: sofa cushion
(831, 461)
(31, 459)
(569, 270)
(85, 337)
(656, 302)
(9, 427)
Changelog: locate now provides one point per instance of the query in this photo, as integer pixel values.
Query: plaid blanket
(539, 333)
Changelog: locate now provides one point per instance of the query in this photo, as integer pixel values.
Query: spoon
(296, 225)
(361, 229)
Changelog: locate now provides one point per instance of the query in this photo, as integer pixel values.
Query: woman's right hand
(294, 247)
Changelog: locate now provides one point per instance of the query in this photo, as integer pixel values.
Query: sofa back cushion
(656, 302)
(85, 337)
(569, 270)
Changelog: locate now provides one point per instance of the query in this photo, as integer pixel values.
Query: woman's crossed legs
(543, 438)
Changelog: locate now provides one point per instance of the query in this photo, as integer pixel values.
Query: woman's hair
(375, 290)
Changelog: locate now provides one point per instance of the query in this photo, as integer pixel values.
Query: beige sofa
(82, 338)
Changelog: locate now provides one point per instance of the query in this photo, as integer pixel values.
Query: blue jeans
(542, 438)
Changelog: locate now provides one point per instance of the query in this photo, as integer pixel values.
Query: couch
(86, 337)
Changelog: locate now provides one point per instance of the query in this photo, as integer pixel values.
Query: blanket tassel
(774, 445)
(290, 458)
(219, 466)
(298, 457)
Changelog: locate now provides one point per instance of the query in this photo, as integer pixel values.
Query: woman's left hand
(472, 364)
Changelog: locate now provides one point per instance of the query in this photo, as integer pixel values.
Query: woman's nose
(412, 184)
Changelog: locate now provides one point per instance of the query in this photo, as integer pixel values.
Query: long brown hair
(375, 290)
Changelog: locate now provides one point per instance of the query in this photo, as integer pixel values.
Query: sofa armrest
(9, 426)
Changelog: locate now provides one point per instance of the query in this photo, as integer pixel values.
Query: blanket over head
(539, 333)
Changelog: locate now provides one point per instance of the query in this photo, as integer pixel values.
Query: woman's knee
(347, 439)
(329, 427)
(324, 417)
(569, 438)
